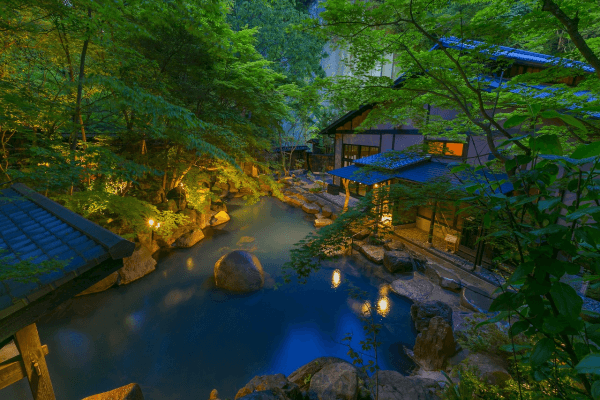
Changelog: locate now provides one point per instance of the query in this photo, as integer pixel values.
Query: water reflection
(383, 307)
(190, 264)
(335, 279)
(135, 320)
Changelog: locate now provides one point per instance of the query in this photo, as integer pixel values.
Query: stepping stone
(414, 289)
(443, 277)
(475, 299)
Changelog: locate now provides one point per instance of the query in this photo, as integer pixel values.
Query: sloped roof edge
(115, 245)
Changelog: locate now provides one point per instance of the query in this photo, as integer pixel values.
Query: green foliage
(27, 270)
(126, 214)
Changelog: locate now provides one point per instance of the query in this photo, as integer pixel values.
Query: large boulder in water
(239, 271)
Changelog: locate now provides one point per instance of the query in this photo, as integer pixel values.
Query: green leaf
(550, 114)
(544, 205)
(572, 121)
(586, 150)
(596, 390)
(535, 109)
(487, 221)
(582, 212)
(566, 299)
(506, 301)
(546, 144)
(517, 347)
(515, 120)
(589, 365)
(519, 326)
(550, 229)
(542, 352)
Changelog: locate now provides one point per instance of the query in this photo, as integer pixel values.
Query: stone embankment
(141, 262)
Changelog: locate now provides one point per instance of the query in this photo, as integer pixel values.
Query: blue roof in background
(426, 172)
(422, 172)
(356, 174)
(514, 54)
(391, 160)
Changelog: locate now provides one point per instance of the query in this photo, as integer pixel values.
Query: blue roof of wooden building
(36, 228)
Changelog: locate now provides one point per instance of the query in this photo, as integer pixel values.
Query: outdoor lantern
(386, 219)
(158, 225)
(151, 222)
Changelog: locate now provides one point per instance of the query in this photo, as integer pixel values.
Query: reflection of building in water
(336, 279)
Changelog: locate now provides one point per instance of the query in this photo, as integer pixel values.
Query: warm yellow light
(190, 264)
(386, 218)
(158, 225)
(376, 185)
(150, 222)
(336, 278)
(383, 305)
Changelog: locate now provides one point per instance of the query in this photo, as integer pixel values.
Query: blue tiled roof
(390, 160)
(538, 91)
(514, 54)
(356, 174)
(426, 172)
(35, 228)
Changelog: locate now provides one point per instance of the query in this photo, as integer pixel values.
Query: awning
(356, 174)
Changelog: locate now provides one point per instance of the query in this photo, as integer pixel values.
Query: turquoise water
(179, 337)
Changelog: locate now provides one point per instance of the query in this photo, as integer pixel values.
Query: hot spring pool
(179, 337)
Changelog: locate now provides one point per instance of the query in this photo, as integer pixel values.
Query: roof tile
(18, 289)
(94, 252)
(57, 250)
(50, 277)
(75, 264)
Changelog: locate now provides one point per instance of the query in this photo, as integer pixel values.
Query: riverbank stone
(128, 392)
(394, 245)
(335, 382)
(422, 312)
(239, 271)
(138, 265)
(392, 385)
(326, 211)
(416, 289)
(475, 299)
(219, 218)
(397, 261)
(311, 208)
(319, 222)
(277, 383)
(300, 376)
(435, 345)
(189, 239)
(443, 277)
(371, 252)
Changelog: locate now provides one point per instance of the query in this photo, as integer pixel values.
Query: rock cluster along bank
(186, 235)
(324, 211)
(331, 378)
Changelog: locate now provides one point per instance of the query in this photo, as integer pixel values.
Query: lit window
(445, 148)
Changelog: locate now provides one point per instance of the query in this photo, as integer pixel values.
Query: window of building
(350, 153)
(449, 149)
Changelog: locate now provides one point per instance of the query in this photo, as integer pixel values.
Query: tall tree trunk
(77, 116)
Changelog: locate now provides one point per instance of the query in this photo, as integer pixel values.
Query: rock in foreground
(139, 264)
(435, 345)
(219, 218)
(239, 271)
(394, 386)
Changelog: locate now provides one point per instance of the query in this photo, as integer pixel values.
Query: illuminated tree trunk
(346, 184)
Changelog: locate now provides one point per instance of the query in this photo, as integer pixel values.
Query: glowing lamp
(158, 225)
(151, 222)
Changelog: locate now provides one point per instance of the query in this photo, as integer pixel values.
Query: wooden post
(31, 350)
(430, 236)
